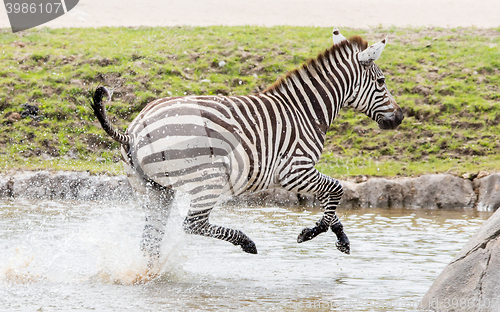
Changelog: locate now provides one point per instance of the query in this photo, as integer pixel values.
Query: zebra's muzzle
(393, 121)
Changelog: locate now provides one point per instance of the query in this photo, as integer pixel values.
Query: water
(61, 256)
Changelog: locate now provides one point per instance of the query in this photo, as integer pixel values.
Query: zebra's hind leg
(197, 222)
(156, 209)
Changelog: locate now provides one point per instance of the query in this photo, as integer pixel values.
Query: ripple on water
(84, 255)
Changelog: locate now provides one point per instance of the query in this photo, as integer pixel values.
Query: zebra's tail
(100, 112)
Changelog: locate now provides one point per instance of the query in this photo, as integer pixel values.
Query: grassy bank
(446, 80)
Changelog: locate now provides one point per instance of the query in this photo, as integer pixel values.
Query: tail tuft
(100, 112)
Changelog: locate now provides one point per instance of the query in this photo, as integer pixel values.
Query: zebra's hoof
(343, 247)
(305, 235)
(249, 247)
(343, 243)
(308, 234)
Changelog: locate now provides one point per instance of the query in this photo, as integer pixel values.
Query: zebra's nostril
(385, 124)
(393, 122)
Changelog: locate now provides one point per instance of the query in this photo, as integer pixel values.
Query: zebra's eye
(381, 81)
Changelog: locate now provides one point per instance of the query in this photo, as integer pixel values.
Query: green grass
(446, 80)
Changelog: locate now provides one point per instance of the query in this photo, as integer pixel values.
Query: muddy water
(61, 256)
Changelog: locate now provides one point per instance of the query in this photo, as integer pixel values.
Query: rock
(419, 89)
(381, 193)
(350, 199)
(308, 200)
(72, 154)
(5, 187)
(272, 197)
(361, 178)
(46, 156)
(106, 188)
(76, 83)
(429, 191)
(30, 111)
(245, 56)
(375, 193)
(31, 185)
(13, 117)
(19, 44)
(482, 174)
(437, 191)
(470, 281)
(66, 186)
(470, 176)
(489, 192)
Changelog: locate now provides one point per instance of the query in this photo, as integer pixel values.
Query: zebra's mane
(314, 62)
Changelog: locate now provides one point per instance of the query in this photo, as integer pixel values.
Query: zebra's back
(191, 142)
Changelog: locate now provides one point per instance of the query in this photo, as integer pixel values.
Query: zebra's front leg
(342, 243)
(197, 223)
(329, 192)
(330, 202)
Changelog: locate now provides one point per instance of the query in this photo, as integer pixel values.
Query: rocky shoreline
(433, 191)
(470, 281)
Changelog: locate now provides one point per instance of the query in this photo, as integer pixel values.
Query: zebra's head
(369, 92)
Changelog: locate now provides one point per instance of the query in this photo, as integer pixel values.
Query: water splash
(102, 246)
(20, 270)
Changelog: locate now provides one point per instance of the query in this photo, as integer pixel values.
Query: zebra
(212, 147)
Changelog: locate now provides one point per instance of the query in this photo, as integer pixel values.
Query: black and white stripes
(212, 147)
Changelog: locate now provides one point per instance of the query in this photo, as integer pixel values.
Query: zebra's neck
(320, 87)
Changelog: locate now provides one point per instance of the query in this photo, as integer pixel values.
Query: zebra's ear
(372, 53)
(337, 36)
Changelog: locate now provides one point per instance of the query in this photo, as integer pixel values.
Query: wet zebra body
(212, 147)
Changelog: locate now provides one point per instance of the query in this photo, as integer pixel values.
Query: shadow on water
(60, 255)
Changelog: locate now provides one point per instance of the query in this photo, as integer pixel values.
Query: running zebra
(212, 147)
